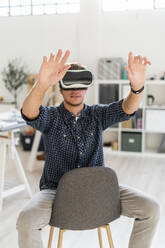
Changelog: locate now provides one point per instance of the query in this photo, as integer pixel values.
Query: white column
(89, 37)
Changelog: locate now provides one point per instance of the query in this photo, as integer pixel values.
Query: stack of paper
(11, 120)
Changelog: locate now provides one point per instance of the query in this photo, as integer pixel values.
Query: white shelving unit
(153, 129)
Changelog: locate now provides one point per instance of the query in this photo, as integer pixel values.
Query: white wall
(142, 32)
(33, 37)
(89, 35)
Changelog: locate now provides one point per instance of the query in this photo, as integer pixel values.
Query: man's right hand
(52, 70)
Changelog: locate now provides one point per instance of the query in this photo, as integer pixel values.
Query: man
(72, 134)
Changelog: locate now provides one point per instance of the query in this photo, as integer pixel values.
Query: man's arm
(131, 102)
(136, 71)
(51, 72)
(33, 101)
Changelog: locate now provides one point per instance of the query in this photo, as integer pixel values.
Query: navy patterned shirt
(72, 142)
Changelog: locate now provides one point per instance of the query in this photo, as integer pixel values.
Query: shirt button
(78, 137)
(74, 122)
(80, 152)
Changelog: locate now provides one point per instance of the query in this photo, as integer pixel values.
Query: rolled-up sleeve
(112, 113)
(42, 121)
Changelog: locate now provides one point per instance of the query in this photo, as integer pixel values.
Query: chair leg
(100, 238)
(109, 236)
(60, 238)
(50, 237)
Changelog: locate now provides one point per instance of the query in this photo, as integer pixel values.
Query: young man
(72, 135)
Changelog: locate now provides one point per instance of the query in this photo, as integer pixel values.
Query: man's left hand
(136, 70)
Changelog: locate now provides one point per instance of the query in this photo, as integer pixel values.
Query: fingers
(140, 59)
(146, 62)
(58, 55)
(45, 59)
(136, 59)
(51, 59)
(132, 60)
(65, 57)
(129, 72)
(62, 74)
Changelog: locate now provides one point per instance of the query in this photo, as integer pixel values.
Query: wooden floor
(144, 173)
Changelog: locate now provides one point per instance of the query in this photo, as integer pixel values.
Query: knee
(152, 209)
(21, 220)
(155, 210)
(26, 219)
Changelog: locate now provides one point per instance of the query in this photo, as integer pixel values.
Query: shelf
(155, 107)
(131, 130)
(154, 152)
(107, 150)
(149, 152)
(148, 138)
(125, 81)
(113, 129)
(155, 82)
(7, 103)
(110, 81)
(154, 132)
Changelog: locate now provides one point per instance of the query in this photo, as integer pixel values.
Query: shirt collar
(69, 114)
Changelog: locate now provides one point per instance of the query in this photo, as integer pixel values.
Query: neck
(74, 109)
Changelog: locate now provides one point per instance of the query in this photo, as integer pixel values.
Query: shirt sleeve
(43, 121)
(112, 113)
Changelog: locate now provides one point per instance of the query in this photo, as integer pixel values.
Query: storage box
(110, 68)
(131, 141)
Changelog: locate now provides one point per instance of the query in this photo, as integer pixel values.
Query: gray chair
(86, 198)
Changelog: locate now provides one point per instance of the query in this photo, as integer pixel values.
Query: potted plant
(14, 76)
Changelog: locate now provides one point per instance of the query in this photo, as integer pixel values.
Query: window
(119, 5)
(38, 7)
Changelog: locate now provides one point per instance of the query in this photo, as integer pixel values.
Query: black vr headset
(76, 79)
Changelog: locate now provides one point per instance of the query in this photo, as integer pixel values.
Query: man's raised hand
(136, 70)
(53, 69)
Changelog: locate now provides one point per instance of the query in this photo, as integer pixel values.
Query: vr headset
(76, 79)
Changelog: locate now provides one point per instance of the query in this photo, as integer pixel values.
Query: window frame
(120, 10)
(31, 5)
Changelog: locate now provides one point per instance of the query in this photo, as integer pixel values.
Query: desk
(11, 141)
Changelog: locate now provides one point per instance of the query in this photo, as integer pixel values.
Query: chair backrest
(86, 198)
